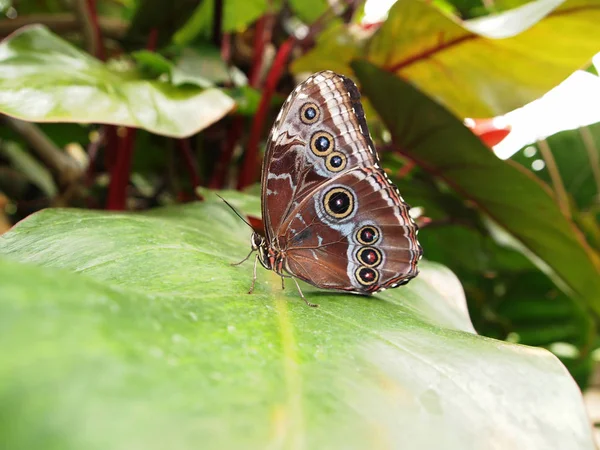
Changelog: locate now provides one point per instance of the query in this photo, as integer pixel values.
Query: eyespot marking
(366, 276)
(309, 113)
(369, 256)
(335, 162)
(339, 203)
(321, 143)
(368, 235)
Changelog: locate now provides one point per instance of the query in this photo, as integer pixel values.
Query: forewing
(297, 161)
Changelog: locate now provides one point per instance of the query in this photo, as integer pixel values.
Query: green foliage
(511, 197)
(137, 333)
(45, 79)
(576, 155)
(158, 342)
(477, 68)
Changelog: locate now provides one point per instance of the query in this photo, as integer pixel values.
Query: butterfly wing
(317, 135)
(326, 202)
(354, 234)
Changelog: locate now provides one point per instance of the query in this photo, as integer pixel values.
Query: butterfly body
(332, 217)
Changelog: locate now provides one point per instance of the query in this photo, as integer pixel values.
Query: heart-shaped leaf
(437, 141)
(46, 79)
(478, 68)
(155, 343)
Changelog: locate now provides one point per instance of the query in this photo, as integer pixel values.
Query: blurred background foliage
(132, 104)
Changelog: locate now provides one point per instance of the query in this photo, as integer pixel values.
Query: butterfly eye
(309, 113)
(366, 276)
(335, 162)
(321, 143)
(339, 203)
(369, 256)
(367, 235)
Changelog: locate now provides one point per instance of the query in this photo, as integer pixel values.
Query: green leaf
(185, 72)
(439, 143)
(46, 79)
(203, 62)
(336, 47)
(154, 343)
(479, 68)
(237, 15)
(491, 65)
(576, 154)
(309, 10)
(153, 62)
(539, 315)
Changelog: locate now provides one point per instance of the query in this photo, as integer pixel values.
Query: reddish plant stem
(233, 136)
(189, 161)
(112, 142)
(120, 153)
(249, 170)
(226, 48)
(152, 40)
(119, 174)
(93, 12)
(262, 35)
(406, 169)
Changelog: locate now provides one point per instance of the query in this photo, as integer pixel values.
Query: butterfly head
(259, 244)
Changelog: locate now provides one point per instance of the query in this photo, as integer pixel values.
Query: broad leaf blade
(45, 79)
(492, 65)
(156, 343)
(479, 68)
(576, 154)
(438, 142)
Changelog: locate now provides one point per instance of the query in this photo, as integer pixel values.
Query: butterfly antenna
(235, 211)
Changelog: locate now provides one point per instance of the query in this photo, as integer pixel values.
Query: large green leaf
(478, 68)
(438, 142)
(237, 15)
(576, 154)
(155, 343)
(45, 79)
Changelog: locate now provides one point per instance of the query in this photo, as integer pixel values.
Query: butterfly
(332, 217)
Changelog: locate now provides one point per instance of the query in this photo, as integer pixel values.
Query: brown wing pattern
(327, 205)
(355, 234)
(291, 169)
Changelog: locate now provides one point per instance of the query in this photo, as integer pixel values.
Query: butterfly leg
(282, 283)
(253, 275)
(312, 305)
(245, 259)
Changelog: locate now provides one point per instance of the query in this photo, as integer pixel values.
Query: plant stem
(250, 166)
(220, 172)
(190, 162)
(66, 168)
(562, 198)
(262, 36)
(249, 171)
(217, 23)
(119, 173)
(592, 151)
(86, 14)
(406, 169)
